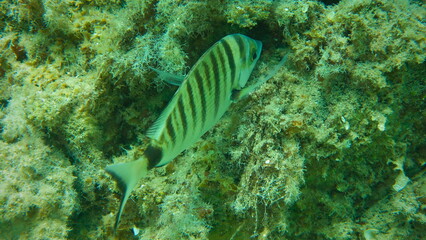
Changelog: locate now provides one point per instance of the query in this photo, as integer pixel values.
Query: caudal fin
(127, 176)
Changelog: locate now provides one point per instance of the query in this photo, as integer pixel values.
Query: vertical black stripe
(202, 94)
(170, 129)
(182, 117)
(231, 60)
(208, 79)
(216, 81)
(223, 75)
(240, 43)
(192, 105)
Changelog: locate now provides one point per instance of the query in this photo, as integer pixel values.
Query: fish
(216, 80)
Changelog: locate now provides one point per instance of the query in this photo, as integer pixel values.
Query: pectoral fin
(239, 94)
(169, 78)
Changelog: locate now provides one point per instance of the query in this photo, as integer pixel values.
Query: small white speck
(346, 124)
(135, 230)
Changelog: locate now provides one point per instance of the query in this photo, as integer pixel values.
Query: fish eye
(254, 55)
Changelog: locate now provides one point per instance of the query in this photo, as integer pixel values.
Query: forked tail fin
(127, 176)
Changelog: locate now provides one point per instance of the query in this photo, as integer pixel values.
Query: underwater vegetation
(332, 147)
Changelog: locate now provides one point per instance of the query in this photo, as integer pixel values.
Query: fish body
(203, 97)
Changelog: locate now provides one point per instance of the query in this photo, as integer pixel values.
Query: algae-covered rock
(332, 147)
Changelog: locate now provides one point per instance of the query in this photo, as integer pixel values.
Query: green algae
(333, 147)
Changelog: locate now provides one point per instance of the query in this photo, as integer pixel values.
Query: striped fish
(214, 82)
